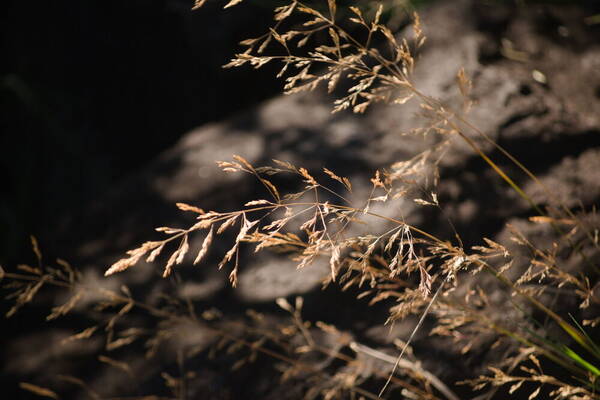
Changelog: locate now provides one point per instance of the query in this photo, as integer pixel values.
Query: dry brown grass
(415, 271)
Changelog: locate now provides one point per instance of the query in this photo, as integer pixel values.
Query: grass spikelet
(187, 207)
(85, 334)
(134, 256)
(205, 245)
(38, 390)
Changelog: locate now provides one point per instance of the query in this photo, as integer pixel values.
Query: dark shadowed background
(92, 90)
